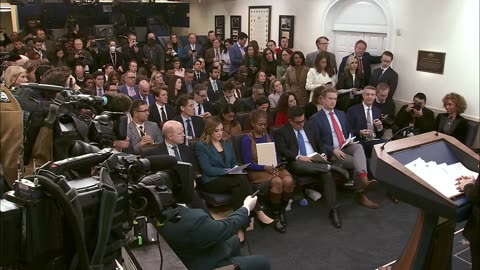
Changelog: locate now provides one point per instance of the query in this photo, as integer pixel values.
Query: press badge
(4, 98)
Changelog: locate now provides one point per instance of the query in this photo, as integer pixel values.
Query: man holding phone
(141, 131)
(192, 51)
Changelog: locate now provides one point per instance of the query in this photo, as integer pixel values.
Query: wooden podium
(430, 245)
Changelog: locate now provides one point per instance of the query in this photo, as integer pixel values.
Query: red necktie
(360, 63)
(337, 130)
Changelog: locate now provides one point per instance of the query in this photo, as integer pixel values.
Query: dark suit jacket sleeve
(341, 68)
(403, 117)
(472, 192)
(204, 160)
(425, 123)
(284, 145)
(208, 232)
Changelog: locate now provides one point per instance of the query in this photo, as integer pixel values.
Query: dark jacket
(211, 162)
(471, 230)
(286, 142)
(422, 124)
(458, 127)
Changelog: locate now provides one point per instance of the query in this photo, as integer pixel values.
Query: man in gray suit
(322, 45)
(141, 131)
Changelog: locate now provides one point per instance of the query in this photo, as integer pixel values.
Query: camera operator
(386, 106)
(416, 115)
(204, 243)
(131, 50)
(35, 104)
(11, 135)
(79, 56)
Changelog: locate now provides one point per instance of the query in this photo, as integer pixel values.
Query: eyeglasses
(143, 111)
(130, 77)
(324, 43)
(299, 122)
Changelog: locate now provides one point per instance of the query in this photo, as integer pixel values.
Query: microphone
(161, 162)
(409, 128)
(117, 102)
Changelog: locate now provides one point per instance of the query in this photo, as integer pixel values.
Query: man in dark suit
(333, 131)
(237, 51)
(417, 115)
(37, 47)
(214, 85)
(364, 121)
(386, 106)
(192, 124)
(131, 51)
(144, 93)
(188, 81)
(203, 107)
(141, 132)
(385, 74)
(198, 75)
(191, 52)
(227, 98)
(248, 103)
(129, 88)
(48, 46)
(204, 243)
(365, 60)
(295, 142)
(322, 46)
(161, 111)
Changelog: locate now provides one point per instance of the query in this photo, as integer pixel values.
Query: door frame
(334, 7)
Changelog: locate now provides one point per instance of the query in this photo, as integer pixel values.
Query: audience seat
(214, 199)
(471, 134)
(242, 118)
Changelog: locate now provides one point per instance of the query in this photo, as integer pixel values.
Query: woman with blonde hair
(350, 84)
(451, 122)
(216, 157)
(156, 80)
(14, 76)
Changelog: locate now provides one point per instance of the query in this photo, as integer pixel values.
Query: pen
(255, 193)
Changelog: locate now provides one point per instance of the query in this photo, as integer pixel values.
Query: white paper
(348, 141)
(266, 154)
(238, 169)
(440, 176)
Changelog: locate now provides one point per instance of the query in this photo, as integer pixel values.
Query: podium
(430, 244)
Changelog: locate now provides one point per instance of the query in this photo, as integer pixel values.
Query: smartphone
(194, 51)
(281, 165)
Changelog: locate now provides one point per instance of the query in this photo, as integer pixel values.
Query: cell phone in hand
(255, 193)
(194, 51)
(281, 165)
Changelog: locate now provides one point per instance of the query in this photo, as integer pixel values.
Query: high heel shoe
(276, 224)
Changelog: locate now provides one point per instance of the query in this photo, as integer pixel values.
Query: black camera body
(417, 106)
(66, 217)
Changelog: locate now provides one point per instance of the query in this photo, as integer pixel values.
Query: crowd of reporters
(307, 101)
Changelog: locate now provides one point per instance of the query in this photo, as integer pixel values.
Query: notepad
(266, 154)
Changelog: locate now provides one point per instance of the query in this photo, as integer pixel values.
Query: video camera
(72, 116)
(74, 213)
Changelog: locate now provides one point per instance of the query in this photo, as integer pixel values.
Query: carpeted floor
(368, 239)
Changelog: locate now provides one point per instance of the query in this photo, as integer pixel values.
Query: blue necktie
(190, 129)
(301, 144)
(177, 154)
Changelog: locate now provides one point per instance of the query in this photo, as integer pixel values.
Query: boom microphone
(405, 129)
(117, 102)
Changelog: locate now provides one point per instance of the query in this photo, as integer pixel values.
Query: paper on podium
(440, 176)
(266, 153)
(238, 169)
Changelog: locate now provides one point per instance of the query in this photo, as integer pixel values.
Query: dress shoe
(340, 171)
(392, 197)
(276, 224)
(365, 183)
(283, 218)
(362, 199)
(335, 218)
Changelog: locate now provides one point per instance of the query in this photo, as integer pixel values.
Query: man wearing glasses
(141, 131)
(203, 107)
(299, 144)
(129, 88)
(322, 46)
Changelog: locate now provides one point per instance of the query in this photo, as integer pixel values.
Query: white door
(344, 43)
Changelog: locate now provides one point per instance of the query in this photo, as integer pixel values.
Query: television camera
(75, 213)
